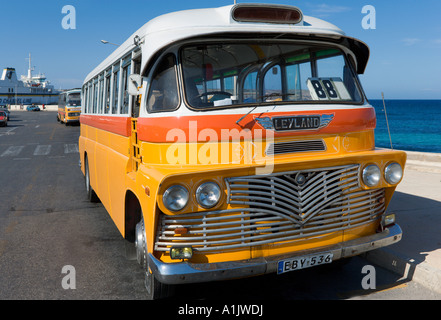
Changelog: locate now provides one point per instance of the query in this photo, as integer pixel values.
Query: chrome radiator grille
(295, 147)
(278, 208)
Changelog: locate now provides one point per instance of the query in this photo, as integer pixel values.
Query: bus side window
(60, 99)
(272, 85)
(163, 93)
(84, 99)
(125, 94)
(107, 95)
(135, 99)
(115, 91)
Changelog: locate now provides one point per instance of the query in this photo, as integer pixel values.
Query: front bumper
(184, 272)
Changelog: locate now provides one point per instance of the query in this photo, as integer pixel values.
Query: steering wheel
(215, 93)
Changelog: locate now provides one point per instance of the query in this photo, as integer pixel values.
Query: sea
(415, 125)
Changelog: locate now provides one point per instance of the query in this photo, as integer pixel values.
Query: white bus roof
(172, 27)
(76, 90)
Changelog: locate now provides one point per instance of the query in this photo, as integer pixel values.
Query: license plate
(304, 262)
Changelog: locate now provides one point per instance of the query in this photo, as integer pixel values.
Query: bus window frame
(125, 74)
(62, 100)
(66, 98)
(151, 72)
(89, 97)
(312, 44)
(115, 88)
(107, 91)
(100, 93)
(95, 95)
(136, 65)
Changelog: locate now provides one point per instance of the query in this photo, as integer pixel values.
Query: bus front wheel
(155, 289)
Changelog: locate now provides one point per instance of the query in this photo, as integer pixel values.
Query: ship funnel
(9, 74)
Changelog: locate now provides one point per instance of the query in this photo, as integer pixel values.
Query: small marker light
(181, 230)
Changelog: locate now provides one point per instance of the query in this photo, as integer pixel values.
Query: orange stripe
(156, 129)
(118, 125)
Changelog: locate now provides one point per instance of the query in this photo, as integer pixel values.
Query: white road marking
(8, 132)
(42, 150)
(12, 151)
(71, 148)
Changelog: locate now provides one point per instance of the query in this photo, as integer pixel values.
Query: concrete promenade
(417, 204)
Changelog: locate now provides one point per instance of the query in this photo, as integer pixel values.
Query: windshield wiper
(243, 117)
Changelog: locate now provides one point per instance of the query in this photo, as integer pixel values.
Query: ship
(30, 89)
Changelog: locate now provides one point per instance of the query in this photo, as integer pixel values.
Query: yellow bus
(69, 106)
(235, 142)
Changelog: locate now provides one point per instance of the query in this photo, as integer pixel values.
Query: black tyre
(91, 195)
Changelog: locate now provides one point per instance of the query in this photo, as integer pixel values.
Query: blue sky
(405, 60)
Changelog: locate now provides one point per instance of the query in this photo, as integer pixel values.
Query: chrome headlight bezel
(393, 173)
(175, 198)
(208, 194)
(371, 175)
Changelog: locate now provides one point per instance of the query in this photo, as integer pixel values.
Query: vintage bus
(235, 142)
(69, 106)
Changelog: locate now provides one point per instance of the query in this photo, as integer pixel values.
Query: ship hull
(26, 99)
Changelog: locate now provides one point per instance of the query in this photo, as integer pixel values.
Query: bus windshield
(74, 100)
(234, 74)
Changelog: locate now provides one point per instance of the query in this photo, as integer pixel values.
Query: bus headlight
(208, 195)
(181, 252)
(371, 175)
(393, 173)
(175, 198)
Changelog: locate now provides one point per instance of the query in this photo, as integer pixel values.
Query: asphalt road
(46, 224)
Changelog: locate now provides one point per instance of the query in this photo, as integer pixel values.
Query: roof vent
(267, 13)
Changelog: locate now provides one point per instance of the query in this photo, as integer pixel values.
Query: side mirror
(135, 82)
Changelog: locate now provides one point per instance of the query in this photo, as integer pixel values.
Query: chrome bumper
(185, 272)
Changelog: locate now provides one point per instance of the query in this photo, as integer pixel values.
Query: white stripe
(8, 132)
(42, 150)
(71, 148)
(12, 151)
